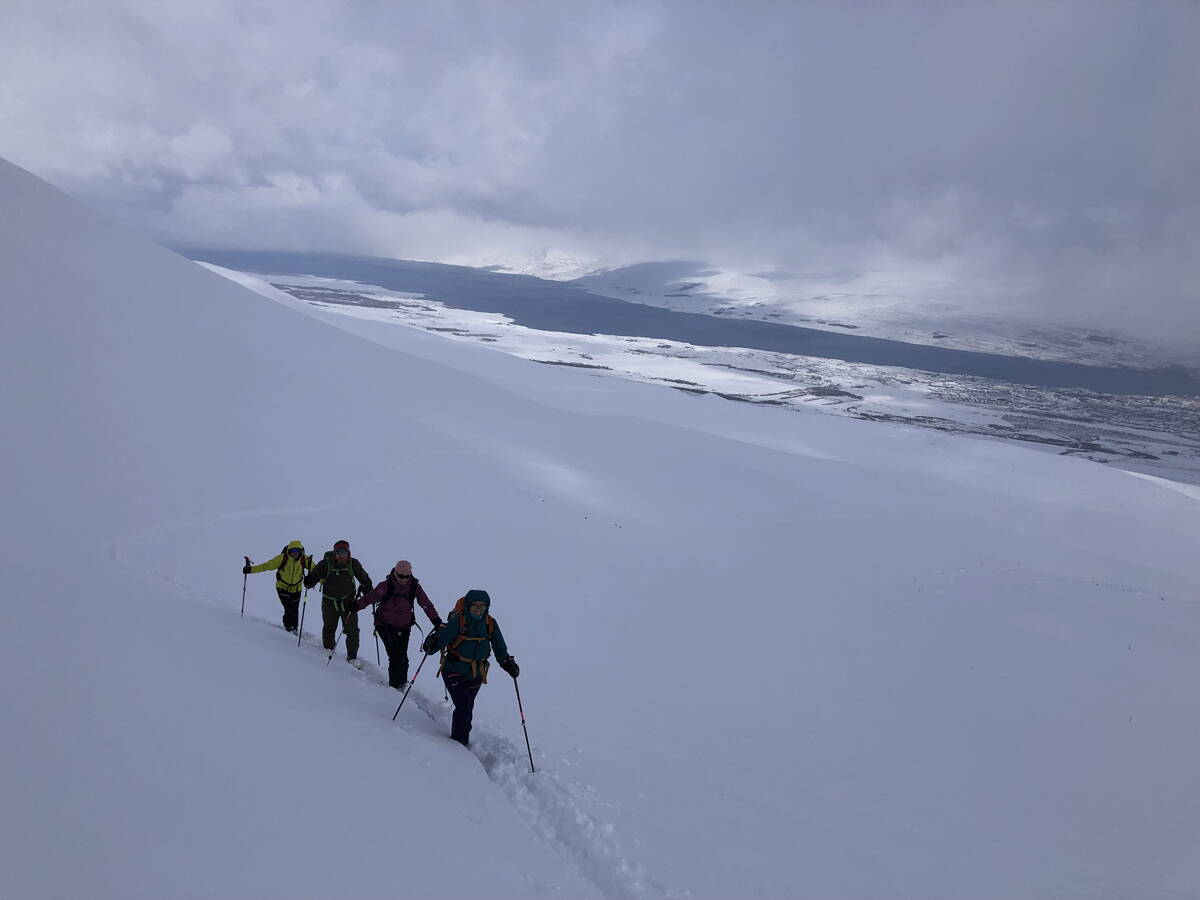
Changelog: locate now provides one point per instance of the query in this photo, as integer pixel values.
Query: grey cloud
(1042, 155)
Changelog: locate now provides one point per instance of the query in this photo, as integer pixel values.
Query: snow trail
(552, 811)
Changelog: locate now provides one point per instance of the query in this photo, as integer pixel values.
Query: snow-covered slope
(763, 654)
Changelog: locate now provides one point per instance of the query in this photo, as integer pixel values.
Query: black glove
(246, 569)
(309, 581)
(430, 644)
(510, 666)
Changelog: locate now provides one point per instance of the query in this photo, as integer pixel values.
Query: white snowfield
(764, 654)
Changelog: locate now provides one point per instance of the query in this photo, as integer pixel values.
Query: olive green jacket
(337, 581)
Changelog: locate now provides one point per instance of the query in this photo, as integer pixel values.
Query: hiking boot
(357, 663)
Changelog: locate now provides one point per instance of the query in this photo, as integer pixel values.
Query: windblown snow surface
(764, 654)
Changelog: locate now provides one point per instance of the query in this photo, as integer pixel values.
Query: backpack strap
(479, 667)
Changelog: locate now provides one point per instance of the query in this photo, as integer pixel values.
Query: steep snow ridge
(167, 750)
(763, 653)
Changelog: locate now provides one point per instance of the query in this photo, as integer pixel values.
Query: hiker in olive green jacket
(467, 640)
(289, 568)
(337, 573)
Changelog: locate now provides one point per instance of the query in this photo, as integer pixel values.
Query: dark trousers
(462, 690)
(291, 608)
(395, 642)
(332, 615)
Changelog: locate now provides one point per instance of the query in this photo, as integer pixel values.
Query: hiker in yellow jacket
(290, 567)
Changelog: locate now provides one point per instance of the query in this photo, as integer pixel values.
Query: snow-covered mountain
(910, 307)
(763, 653)
(553, 263)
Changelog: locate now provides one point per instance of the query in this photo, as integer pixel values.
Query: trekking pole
(375, 631)
(422, 630)
(244, 577)
(410, 686)
(445, 690)
(337, 639)
(303, 607)
(523, 728)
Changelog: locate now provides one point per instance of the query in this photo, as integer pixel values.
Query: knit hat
(342, 545)
(404, 567)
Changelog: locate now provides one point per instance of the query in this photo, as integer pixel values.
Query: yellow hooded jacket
(290, 576)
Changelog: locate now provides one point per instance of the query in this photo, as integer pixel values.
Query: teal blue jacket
(477, 647)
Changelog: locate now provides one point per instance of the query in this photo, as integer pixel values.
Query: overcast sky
(1045, 154)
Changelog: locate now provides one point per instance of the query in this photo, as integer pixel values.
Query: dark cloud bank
(1032, 158)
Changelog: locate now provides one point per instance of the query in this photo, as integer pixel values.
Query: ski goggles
(401, 577)
(295, 551)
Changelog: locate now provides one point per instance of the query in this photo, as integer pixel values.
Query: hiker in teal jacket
(337, 572)
(467, 640)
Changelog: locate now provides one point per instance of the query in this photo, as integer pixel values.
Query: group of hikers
(465, 639)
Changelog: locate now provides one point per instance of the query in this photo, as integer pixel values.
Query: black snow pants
(463, 691)
(395, 642)
(291, 608)
(334, 614)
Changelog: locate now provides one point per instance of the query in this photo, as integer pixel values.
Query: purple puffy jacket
(395, 601)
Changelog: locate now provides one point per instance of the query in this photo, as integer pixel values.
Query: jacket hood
(475, 597)
(298, 545)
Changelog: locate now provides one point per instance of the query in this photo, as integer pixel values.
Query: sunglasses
(295, 551)
(402, 577)
(341, 552)
(478, 606)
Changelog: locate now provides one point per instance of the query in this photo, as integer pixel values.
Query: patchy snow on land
(1156, 435)
(764, 653)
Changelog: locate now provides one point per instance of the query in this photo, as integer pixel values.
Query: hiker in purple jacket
(394, 616)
